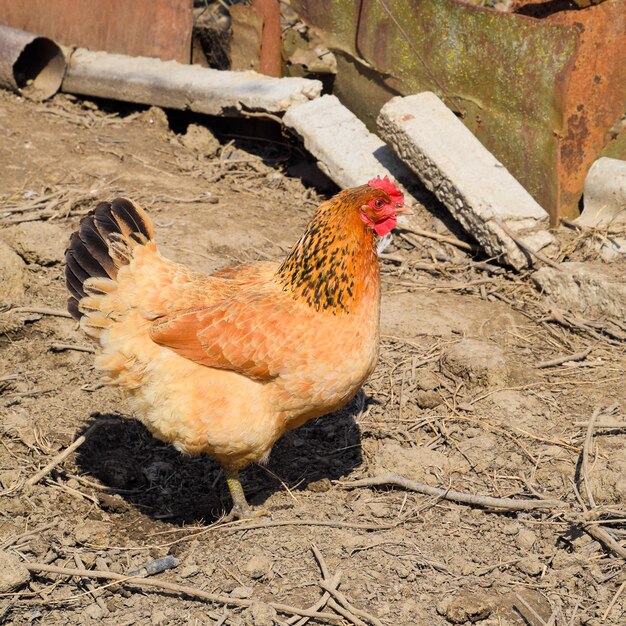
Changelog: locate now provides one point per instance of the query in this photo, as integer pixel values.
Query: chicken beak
(403, 209)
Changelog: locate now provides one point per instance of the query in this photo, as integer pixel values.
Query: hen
(225, 364)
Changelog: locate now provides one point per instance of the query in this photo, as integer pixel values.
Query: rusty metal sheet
(541, 94)
(153, 28)
(247, 32)
(594, 95)
(256, 42)
(270, 60)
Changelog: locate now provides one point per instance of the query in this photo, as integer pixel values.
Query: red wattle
(386, 226)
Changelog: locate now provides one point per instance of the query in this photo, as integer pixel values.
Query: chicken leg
(241, 509)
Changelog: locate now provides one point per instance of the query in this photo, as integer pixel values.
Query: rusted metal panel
(256, 42)
(541, 94)
(594, 94)
(270, 60)
(153, 28)
(247, 33)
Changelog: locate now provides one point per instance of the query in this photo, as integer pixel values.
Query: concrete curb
(475, 187)
(177, 86)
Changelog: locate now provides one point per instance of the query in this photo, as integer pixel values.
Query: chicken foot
(241, 509)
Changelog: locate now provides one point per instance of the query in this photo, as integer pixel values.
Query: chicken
(224, 364)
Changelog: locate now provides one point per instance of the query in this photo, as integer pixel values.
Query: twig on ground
(437, 237)
(240, 527)
(319, 605)
(333, 604)
(59, 458)
(191, 592)
(30, 533)
(585, 458)
(604, 537)
(95, 594)
(611, 425)
(58, 346)
(618, 593)
(339, 601)
(41, 310)
(222, 620)
(530, 609)
(578, 356)
(524, 246)
(489, 502)
(597, 532)
(74, 492)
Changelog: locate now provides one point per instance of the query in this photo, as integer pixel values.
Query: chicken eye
(379, 203)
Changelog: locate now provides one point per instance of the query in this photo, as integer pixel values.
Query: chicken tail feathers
(103, 243)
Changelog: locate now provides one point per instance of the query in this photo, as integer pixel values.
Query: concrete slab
(475, 187)
(595, 290)
(346, 151)
(605, 206)
(605, 194)
(173, 85)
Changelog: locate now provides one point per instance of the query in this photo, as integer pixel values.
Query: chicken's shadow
(162, 483)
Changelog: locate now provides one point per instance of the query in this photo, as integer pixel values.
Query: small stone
(201, 140)
(427, 381)
(378, 509)
(530, 565)
(427, 399)
(188, 570)
(41, 243)
(13, 574)
(402, 571)
(258, 567)
(91, 532)
(476, 362)
(208, 570)
(262, 614)
(242, 592)
(319, 486)
(467, 606)
(93, 612)
(468, 569)
(526, 539)
(510, 529)
(155, 117)
(9, 478)
(88, 559)
(158, 617)
(113, 503)
(157, 471)
(101, 564)
(442, 605)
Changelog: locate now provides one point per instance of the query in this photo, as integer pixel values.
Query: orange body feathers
(224, 364)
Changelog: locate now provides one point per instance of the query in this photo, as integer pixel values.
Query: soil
(457, 401)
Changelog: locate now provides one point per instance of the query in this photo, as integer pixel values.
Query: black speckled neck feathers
(334, 264)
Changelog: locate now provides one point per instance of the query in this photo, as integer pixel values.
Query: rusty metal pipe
(30, 65)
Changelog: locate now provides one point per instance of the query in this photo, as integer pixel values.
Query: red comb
(386, 185)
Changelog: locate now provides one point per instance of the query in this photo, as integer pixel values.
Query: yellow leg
(241, 508)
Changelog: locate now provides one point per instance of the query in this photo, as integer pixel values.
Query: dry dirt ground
(457, 402)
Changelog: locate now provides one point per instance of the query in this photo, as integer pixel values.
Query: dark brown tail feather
(89, 253)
